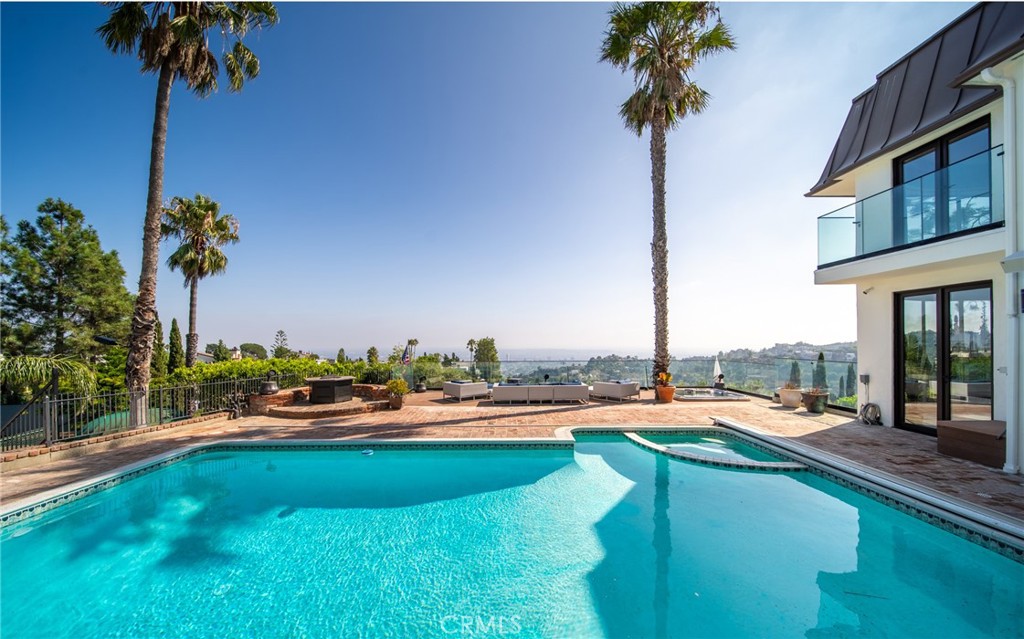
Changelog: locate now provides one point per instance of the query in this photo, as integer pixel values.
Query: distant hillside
(838, 351)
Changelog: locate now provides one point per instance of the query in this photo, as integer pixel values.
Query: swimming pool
(606, 539)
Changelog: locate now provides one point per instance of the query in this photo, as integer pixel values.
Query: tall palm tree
(471, 345)
(661, 43)
(202, 231)
(172, 40)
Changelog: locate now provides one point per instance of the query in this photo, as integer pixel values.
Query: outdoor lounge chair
(464, 390)
(618, 391)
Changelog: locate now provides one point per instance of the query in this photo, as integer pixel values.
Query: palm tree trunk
(659, 245)
(192, 339)
(140, 344)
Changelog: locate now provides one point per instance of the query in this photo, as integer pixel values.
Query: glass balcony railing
(756, 375)
(964, 196)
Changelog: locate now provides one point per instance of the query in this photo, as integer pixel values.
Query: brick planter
(370, 391)
(261, 404)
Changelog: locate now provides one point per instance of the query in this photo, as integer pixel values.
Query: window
(943, 187)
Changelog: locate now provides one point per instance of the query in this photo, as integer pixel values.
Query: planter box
(978, 441)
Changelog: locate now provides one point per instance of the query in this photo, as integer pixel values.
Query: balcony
(965, 197)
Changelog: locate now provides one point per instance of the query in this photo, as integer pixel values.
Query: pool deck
(909, 456)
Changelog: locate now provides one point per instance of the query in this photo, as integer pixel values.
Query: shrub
(397, 387)
(249, 368)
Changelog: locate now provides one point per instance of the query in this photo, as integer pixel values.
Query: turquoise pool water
(611, 540)
(714, 446)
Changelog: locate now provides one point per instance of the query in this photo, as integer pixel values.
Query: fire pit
(330, 389)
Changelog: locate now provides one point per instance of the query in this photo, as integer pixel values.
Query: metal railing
(52, 418)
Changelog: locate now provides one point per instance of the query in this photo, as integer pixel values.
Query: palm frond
(122, 29)
(177, 34)
(661, 43)
(24, 370)
(241, 64)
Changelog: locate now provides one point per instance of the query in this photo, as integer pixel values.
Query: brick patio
(907, 455)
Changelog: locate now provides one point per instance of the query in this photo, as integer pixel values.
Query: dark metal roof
(923, 90)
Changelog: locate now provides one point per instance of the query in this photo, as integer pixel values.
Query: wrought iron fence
(60, 417)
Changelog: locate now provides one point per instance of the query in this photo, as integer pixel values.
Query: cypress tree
(794, 374)
(158, 365)
(851, 380)
(820, 379)
(176, 352)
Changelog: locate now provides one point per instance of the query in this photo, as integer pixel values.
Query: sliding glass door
(970, 354)
(920, 359)
(944, 356)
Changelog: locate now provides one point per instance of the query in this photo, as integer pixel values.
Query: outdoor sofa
(540, 393)
(616, 390)
(464, 390)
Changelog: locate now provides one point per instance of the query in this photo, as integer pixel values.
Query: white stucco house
(932, 154)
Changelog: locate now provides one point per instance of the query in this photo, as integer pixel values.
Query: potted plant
(814, 399)
(663, 387)
(397, 390)
(789, 395)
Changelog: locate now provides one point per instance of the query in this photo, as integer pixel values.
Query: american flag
(406, 356)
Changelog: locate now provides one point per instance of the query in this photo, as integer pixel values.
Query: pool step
(747, 464)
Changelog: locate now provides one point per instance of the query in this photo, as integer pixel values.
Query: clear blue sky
(448, 171)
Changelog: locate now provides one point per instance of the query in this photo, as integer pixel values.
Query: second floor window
(944, 186)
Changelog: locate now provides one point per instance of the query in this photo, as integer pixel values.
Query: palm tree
(661, 43)
(202, 231)
(172, 40)
(471, 346)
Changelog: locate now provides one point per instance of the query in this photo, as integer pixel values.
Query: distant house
(236, 353)
(932, 155)
(205, 358)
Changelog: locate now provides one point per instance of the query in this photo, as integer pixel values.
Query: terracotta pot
(665, 393)
(814, 402)
(396, 401)
(790, 397)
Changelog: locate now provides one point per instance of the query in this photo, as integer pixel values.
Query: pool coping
(972, 522)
